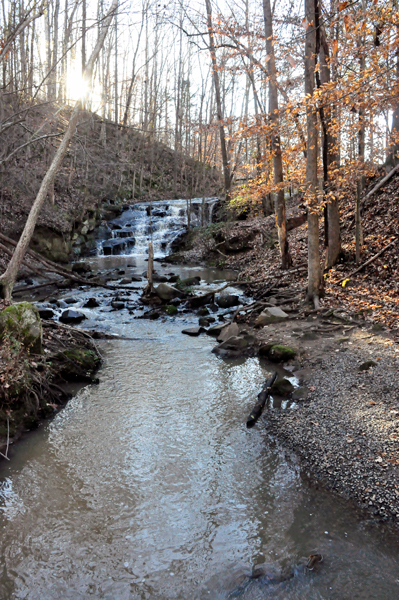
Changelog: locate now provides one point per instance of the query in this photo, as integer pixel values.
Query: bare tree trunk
(314, 271)
(330, 158)
(361, 151)
(7, 280)
(223, 147)
(83, 35)
(279, 201)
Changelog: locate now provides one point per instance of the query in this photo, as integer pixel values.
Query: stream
(150, 486)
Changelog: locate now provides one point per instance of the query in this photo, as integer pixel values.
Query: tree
(314, 271)
(7, 280)
(286, 260)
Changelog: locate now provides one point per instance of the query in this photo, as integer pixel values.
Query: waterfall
(166, 220)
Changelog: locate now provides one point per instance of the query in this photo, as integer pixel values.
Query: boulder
(81, 267)
(78, 364)
(203, 312)
(367, 365)
(232, 330)
(167, 292)
(46, 313)
(216, 330)
(22, 321)
(91, 303)
(233, 347)
(203, 322)
(282, 387)
(190, 281)
(71, 300)
(136, 278)
(72, 316)
(117, 304)
(173, 278)
(193, 331)
(227, 301)
(126, 280)
(279, 353)
(272, 314)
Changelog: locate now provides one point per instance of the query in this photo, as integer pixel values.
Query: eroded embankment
(36, 359)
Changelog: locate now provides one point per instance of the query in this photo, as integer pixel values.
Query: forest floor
(252, 249)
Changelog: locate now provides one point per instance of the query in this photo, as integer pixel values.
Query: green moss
(278, 353)
(22, 322)
(171, 310)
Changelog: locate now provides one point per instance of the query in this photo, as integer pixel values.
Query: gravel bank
(347, 431)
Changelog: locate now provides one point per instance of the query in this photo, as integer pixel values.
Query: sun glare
(78, 87)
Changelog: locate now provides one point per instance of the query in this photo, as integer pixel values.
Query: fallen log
(368, 262)
(262, 397)
(381, 183)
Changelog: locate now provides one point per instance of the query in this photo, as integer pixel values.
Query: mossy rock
(171, 310)
(78, 364)
(277, 352)
(22, 322)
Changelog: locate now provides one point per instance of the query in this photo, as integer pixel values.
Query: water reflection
(150, 486)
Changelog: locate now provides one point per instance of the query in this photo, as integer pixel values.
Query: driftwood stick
(24, 262)
(372, 259)
(262, 397)
(381, 183)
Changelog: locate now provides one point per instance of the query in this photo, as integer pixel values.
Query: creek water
(149, 485)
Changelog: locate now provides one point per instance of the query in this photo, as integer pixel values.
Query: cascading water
(165, 221)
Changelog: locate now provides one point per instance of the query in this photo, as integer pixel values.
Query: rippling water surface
(149, 486)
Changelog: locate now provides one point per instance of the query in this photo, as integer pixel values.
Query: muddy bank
(36, 377)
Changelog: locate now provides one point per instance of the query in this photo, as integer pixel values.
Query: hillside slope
(105, 167)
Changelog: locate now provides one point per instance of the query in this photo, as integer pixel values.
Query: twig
(381, 183)
(373, 258)
(8, 439)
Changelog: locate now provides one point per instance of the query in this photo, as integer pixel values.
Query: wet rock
(282, 387)
(365, 366)
(22, 321)
(81, 268)
(91, 303)
(216, 330)
(213, 307)
(78, 364)
(171, 310)
(232, 330)
(203, 312)
(173, 278)
(159, 278)
(227, 301)
(193, 331)
(167, 292)
(62, 304)
(204, 322)
(71, 300)
(126, 280)
(189, 281)
(72, 316)
(234, 346)
(117, 304)
(300, 393)
(271, 314)
(279, 353)
(46, 313)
